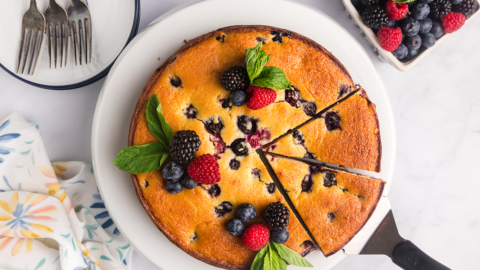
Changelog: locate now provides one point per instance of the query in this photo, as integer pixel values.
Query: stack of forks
(59, 25)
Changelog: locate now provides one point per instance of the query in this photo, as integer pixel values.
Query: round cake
(189, 89)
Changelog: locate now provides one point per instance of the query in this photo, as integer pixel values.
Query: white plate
(138, 61)
(115, 23)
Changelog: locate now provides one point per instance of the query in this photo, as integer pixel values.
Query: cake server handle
(410, 257)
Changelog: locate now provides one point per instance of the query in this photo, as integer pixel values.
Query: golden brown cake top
(334, 204)
(348, 135)
(192, 98)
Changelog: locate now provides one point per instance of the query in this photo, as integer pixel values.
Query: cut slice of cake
(348, 134)
(333, 204)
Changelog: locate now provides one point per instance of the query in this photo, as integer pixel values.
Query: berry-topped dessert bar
(200, 122)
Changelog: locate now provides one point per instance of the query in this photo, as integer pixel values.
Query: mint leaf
(156, 122)
(257, 263)
(256, 60)
(291, 256)
(272, 77)
(404, 1)
(272, 260)
(167, 129)
(140, 159)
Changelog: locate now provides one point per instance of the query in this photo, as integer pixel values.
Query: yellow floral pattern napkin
(51, 215)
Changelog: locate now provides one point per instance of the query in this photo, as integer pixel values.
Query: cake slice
(348, 134)
(333, 204)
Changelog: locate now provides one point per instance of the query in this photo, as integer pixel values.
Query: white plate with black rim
(146, 53)
(115, 23)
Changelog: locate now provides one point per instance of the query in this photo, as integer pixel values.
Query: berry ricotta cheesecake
(196, 135)
(348, 134)
(334, 204)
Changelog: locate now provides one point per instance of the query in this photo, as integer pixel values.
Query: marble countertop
(436, 106)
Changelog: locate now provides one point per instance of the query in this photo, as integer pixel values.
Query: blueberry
(246, 212)
(455, 2)
(172, 172)
(173, 187)
(307, 184)
(234, 164)
(332, 120)
(235, 227)
(223, 208)
(239, 147)
(410, 27)
(428, 40)
(247, 125)
(401, 51)
(425, 25)
(437, 29)
(176, 82)
(413, 42)
(412, 53)
(420, 11)
(329, 179)
(391, 24)
(188, 182)
(279, 236)
(238, 98)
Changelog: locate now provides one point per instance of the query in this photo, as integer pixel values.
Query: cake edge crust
(373, 107)
(143, 99)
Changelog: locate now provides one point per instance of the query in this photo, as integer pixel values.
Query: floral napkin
(51, 214)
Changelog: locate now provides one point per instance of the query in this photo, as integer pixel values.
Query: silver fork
(81, 30)
(33, 24)
(57, 29)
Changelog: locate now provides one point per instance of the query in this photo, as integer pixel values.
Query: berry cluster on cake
(199, 129)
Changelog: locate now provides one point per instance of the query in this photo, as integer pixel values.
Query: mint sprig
(403, 1)
(262, 76)
(273, 257)
(138, 159)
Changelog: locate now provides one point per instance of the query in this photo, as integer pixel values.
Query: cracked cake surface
(334, 205)
(348, 134)
(188, 86)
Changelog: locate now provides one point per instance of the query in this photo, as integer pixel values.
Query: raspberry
(276, 215)
(260, 97)
(185, 145)
(205, 170)
(235, 78)
(256, 236)
(389, 38)
(452, 22)
(396, 11)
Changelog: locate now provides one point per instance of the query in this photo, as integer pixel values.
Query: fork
(57, 29)
(81, 30)
(33, 24)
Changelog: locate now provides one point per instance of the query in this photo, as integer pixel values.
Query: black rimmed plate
(115, 23)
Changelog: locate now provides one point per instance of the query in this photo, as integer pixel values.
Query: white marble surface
(437, 112)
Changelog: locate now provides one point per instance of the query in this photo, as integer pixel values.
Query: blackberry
(185, 146)
(440, 8)
(466, 7)
(276, 215)
(235, 78)
(369, 2)
(374, 17)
